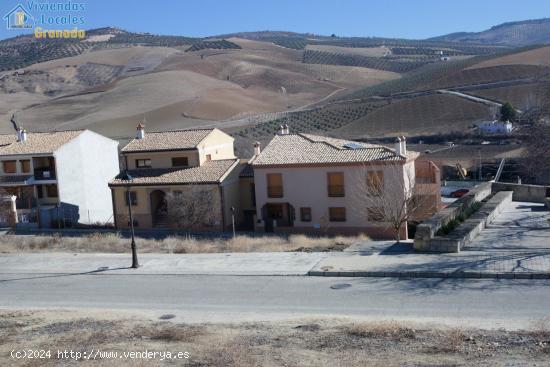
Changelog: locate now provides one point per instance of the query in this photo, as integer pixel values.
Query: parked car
(459, 193)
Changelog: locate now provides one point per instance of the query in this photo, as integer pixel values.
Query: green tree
(507, 112)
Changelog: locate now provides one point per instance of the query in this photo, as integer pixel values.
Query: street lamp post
(129, 179)
(233, 219)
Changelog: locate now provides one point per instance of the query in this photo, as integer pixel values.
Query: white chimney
(281, 130)
(23, 134)
(398, 147)
(286, 129)
(257, 148)
(403, 145)
(140, 134)
(18, 133)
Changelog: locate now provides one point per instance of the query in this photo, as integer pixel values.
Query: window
(375, 214)
(335, 181)
(9, 167)
(375, 182)
(51, 191)
(180, 162)
(208, 157)
(39, 191)
(143, 163)
(25, 166)
(274, 185)
(136, 223)
(305, 214)
(133, 197)
(337, 214)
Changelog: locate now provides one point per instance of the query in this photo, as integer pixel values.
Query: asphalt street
(213, 298)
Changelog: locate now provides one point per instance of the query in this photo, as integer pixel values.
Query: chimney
(286, 129)
(398, 146)
(18, 133)
(403, 145)
(257, 148)
(22, 135)
(140, 134)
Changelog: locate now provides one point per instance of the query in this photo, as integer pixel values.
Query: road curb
(428, 274)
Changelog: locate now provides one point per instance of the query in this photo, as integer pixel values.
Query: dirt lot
(327, 342)
(114, 243)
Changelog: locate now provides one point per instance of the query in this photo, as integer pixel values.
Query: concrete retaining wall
(530, 193)
(425, 232)
(471, 227)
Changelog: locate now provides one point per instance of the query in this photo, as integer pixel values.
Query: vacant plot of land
(308, 342)
(425, 115)
(114, 243)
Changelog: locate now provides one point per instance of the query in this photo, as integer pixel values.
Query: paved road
(193, 298)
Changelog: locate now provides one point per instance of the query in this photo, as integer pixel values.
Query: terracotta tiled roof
(209, 172)
(311, 149)
(167, 140)
(36, 143)
(246, 171)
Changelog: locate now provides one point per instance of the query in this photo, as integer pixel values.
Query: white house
(58, 178)
(495, 127)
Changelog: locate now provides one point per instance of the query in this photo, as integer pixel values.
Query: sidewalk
(401, 261)
(282, 263)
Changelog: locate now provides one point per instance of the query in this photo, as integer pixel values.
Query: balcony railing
(44, 174)
(25, 203)
(336, 191)
(275, 191)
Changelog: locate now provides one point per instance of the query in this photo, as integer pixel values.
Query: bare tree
(536, 162)
(193, 207)
(392, 197)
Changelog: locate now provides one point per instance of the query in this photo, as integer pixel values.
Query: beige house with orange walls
(309, 183)
(174, 161)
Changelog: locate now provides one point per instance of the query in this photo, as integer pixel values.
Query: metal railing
(336, 191)
(44, 174)
(275, 191)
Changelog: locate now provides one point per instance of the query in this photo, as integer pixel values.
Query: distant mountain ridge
(521, 33)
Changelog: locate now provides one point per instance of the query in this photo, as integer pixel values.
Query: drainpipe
(222, 201)
(114, 207)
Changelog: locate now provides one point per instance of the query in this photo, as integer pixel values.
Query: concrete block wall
(425, 232)
(471, 227)
(529, 193)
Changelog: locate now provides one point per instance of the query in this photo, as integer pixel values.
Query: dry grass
(114, 243)
(325, 342)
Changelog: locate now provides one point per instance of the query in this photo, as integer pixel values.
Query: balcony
(25, 203)
(336, 191)
(44, 174)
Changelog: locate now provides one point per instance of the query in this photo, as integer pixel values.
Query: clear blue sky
(384, 18)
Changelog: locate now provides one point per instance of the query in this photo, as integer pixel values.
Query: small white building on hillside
(495, 127)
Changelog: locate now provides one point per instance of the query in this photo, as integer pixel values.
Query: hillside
(523, 33)
(250, 83)
(114, 84)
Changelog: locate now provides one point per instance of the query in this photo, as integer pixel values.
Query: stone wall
(529, 193)
(471, 227)
(426, 231)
